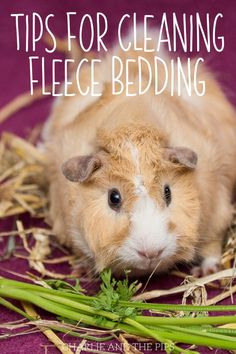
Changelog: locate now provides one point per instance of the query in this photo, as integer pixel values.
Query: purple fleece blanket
(15, 80)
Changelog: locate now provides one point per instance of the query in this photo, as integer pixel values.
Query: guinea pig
(143, 182)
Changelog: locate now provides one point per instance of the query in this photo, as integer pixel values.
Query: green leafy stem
(113, 309)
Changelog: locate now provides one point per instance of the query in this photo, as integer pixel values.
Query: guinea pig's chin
(141, 269)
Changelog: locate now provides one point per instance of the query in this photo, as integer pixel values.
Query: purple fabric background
(15, 80)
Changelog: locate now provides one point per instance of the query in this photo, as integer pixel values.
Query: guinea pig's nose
(150, 254)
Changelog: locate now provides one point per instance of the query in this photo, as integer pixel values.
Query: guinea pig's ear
(181, 155)
(80, 168)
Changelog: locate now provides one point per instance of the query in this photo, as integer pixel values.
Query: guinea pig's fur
(138, 146)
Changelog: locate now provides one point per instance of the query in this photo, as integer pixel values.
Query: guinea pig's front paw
(208, 266)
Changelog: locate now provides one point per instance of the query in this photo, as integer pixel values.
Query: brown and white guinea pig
(143, 182)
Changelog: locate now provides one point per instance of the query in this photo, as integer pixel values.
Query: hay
(23, 184)
(24, 189)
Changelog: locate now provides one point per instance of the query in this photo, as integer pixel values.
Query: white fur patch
(210, 262)
(138, 180)
(209, 265)
(134, 153)
(149, 233)
(140, 188)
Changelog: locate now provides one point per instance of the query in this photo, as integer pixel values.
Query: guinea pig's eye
(114, 199)
(167, 194)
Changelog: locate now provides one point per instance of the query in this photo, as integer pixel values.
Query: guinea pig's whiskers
(81, 262)
(116, 262)
(151, 275)
(92, 275)
(94, 278)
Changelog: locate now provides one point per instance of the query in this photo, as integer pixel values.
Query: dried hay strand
(23, 182)
(59, 344)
